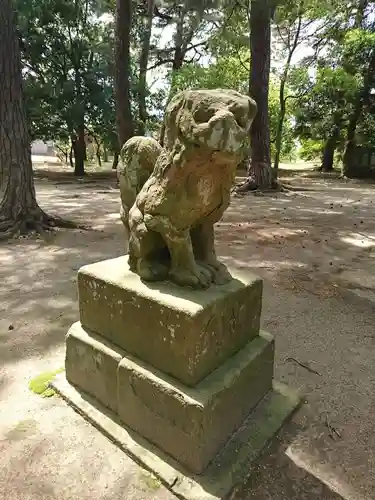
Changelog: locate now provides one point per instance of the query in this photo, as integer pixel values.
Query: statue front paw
(219, 272)
(200, 277)
(151, 270)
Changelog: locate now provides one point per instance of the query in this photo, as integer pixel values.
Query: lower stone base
(230, 466)
(190, 424)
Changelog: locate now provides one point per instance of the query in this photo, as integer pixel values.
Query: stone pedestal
(182, 332)
(184, 369)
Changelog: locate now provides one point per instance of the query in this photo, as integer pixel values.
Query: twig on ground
(367, 236)
(333, 432)
(303, 365)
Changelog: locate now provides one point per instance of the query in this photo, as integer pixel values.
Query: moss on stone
(151, 481)
(40, 384)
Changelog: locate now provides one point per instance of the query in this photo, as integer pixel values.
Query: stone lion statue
(173, 194)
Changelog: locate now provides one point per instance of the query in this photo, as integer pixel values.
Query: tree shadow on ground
(326, 236)
(38, 277)
(276, 476)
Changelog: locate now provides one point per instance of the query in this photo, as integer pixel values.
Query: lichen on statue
(172, 195)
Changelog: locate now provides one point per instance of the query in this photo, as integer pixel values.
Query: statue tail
(137, 160)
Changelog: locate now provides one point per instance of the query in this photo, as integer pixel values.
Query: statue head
(218, 120)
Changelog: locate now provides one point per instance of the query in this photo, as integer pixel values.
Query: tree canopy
(319, 88)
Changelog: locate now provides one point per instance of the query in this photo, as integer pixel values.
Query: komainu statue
(173, 193)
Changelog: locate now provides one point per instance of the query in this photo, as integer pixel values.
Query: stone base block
(229, 468)
(192, 424)
(182, 332)
(91, 364)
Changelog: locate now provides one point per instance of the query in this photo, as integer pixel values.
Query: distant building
(41, 148)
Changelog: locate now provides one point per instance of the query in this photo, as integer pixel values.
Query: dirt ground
(315, 249)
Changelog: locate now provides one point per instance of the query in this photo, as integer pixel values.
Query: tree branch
(281, 36)
(160, 62)
(298, 96)
(161, 15)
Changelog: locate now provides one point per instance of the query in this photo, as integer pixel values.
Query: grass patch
(40, 384)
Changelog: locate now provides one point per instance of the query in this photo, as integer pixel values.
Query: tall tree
(323, 108)
(260, 171)
(19, 210)
(67, 55)
(293, 21)
(124, 117)
(143, 64)
(363, 95)
(192, 21)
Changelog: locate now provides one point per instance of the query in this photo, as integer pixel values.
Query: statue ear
(169, 132)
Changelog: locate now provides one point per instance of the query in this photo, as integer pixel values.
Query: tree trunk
(143, 63)
(79, 148)
(361, 99)
(18, 205)
(282, 98)
(279, 133)
(179, 53)
(115, 160)
(64, 152)
(348, 159)
(260, 171)
(98, 156)
(178, 60)
(19, 211)
(124, 118)
(105, 154)
(348, 169)
(182, 40)
(97, 150)
(71, 155)
(329, 151)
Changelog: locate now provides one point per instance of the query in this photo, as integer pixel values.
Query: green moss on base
(40, 384)
(151, 481)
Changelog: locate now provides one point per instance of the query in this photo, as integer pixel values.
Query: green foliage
(225, 72)
(68, 65)
(68, 68)
(40, 384)
(151, 481)
(328, 104)
(333, 90)
(310, 149)
(357, 47)
(231, 36)
(288, 143)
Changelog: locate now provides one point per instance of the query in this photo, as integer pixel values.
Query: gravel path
(317, 259)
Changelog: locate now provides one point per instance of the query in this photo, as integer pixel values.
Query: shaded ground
(321, 239)
(314, 248)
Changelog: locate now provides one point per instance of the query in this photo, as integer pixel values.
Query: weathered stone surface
(91, 364)
(171, 221)
(191, 425)
(139, 155)
(183, 332)
(230, 467)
